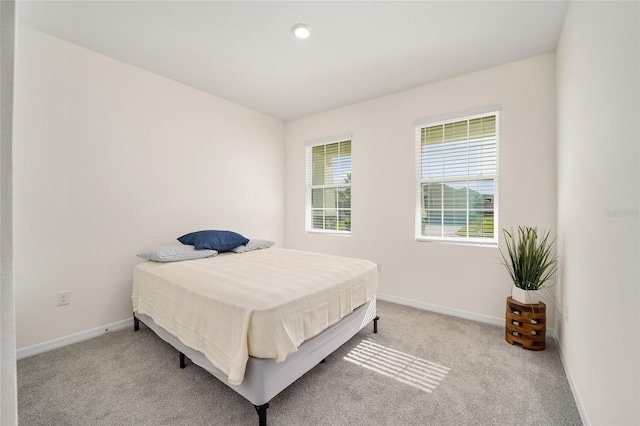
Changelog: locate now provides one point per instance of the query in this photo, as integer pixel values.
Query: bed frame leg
(262, 414)
(375, 324)
(136, 323)
(183, 362)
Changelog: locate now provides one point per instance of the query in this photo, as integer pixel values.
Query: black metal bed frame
(260, 409)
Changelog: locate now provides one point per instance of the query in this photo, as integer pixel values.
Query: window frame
(493, 110)
(309, 145)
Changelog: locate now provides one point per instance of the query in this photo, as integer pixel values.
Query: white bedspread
(263, 303)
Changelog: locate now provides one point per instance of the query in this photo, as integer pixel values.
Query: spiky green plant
(530, 261)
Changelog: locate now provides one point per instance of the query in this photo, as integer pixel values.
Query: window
(457, 172)
(329, 187)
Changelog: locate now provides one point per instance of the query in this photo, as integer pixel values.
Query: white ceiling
(245, 52)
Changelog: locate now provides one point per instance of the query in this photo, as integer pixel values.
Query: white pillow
(175, 253)
(253, 245)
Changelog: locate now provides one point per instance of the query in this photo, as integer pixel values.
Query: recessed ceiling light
(301, 30)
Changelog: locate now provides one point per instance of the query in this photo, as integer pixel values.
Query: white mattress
(263, 303)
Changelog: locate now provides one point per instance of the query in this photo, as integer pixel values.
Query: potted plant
(530, 263)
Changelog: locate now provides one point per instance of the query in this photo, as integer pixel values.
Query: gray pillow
(175, 253)
(253, 245)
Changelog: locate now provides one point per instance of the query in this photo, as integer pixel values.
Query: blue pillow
(213, 240)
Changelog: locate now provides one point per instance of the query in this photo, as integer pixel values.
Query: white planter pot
(527, 297)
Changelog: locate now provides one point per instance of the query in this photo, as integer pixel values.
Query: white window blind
(329, 187)
(457, 170)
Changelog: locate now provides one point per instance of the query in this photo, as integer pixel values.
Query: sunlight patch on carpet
(408, 369)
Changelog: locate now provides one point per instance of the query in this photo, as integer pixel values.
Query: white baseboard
(499, 321)
(73, 338)
(443, 310)
(574, 388)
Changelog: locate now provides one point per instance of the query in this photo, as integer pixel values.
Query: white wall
(598, 200)
(467, 278)
(111, 159)
(8, 384)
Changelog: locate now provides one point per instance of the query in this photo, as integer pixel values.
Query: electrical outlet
(566, 313)
(379, 267)
(64, 297)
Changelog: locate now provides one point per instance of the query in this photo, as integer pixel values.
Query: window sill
(334, 233)
(490, 244)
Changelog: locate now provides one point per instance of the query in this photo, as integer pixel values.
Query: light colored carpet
(454, 372)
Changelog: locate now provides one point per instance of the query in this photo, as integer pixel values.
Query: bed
(259, 320)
